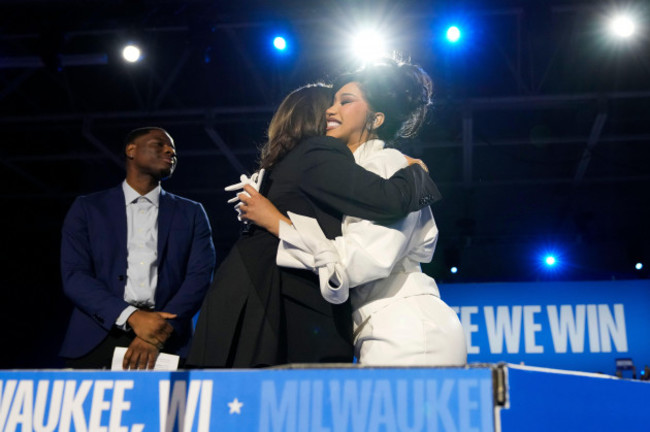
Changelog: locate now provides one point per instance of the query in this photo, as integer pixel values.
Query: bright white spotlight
(550, 260)
(638, 266)
(368, 45)
(131, 53)
(453, 34)
(454, 270)
(280, 43)
(622, 26)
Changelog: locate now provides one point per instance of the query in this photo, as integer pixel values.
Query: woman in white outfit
(399, 317)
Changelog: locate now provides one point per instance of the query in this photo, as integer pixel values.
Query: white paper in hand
(255, 180)
(164, 362)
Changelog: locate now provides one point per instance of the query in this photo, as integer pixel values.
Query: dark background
(539, 140)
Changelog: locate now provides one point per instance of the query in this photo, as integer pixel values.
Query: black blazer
(320, 178)
(258, 314)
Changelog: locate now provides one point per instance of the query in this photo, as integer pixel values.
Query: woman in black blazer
(257, 314)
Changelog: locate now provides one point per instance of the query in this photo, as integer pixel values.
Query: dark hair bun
(402, 91)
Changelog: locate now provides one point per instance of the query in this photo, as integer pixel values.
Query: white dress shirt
(381, 262)
(142, 250)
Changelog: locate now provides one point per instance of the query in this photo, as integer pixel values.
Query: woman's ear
(378, 121)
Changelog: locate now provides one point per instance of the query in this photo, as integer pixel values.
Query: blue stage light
(454, 270)
(453, 34)
(280, 43)
(638, 266)
(551, 260)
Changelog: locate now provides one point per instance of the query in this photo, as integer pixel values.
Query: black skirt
(257, 314)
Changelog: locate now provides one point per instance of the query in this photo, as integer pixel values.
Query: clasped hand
(152, 331)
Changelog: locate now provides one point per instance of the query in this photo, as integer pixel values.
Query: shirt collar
(131, 194)
(367, 148)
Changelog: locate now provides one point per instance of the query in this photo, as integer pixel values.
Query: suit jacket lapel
(166, 209)
(118, 206)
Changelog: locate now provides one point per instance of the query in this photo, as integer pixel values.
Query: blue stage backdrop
(582, 326)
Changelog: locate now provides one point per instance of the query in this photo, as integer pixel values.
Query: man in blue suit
(136, 262)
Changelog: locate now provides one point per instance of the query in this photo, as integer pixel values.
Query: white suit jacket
(381, 262)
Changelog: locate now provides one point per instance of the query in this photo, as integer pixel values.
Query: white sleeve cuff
(292, 251)
(334, 285)
(124, 316)
(304, 245)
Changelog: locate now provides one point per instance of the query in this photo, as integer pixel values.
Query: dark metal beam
(513, 67)
(438, 145)
(117, 115)
(594, 136)
(29, 177)
(86, 132)
(15, 84)
(546, 101)
(171, 78)
(475, 104)
(225, 150)
(34, 62)
(468, 147)
(262, 87)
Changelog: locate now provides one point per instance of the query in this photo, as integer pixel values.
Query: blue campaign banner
(319, 400)
(582, 326)
(542, 400)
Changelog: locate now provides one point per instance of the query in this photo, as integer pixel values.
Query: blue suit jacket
(94, 263)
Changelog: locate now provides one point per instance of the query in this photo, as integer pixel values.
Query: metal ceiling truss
(528, 87)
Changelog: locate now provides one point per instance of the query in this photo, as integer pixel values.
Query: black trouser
(102, 355)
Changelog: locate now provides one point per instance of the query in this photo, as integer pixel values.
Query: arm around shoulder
(330, 175)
